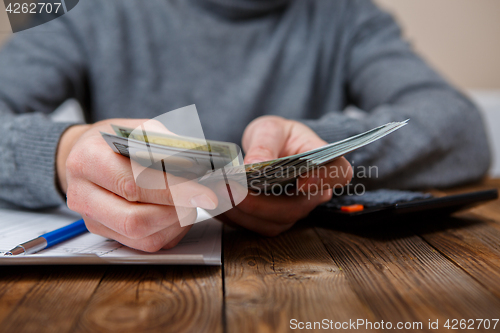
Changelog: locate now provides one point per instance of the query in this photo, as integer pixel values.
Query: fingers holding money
(113, 172)
(333, 175)
(146, 227)
(131, 219)
(265, 138)
(163, 239)
(270, 214)
(101, 186)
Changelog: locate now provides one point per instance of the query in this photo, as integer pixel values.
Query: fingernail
(202, 201)
(253, 160)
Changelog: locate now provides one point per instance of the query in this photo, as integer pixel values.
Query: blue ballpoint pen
(49, 239)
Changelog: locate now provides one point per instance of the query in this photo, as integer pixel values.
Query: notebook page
(201, 245)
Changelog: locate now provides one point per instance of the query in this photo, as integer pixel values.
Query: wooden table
(448, 269)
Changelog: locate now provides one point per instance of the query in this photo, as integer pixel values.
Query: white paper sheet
(201, 245)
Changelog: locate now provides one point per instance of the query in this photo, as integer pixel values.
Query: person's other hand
(100, 185)
(271, 137)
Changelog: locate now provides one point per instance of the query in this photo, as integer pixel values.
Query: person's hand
(100, 185)
(271, 137)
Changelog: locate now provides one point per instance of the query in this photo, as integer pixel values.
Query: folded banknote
(194, 158)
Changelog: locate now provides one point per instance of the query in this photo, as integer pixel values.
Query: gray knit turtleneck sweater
(236, 60)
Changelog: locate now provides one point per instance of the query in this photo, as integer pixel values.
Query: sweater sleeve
(444, 143)
(38, 71)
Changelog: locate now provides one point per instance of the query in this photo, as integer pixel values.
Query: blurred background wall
(460, 38)
(5, 29)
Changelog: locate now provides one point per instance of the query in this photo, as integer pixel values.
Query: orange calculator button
(352, 208)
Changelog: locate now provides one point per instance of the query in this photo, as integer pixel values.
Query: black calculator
(389, 205)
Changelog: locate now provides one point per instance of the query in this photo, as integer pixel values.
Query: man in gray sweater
(286, 67)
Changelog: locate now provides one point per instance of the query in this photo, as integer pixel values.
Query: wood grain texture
(45, 298)
(473, 245)
(447, 268)
(269, 281)
(471, 240)
(14, 285)
(156, 299)
(402, 278)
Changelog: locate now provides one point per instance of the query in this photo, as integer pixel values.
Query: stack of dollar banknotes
(208, 160)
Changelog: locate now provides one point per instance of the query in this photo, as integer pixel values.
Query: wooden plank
(270, 281)
(401, 278)
(15, 283)
(472, 244)
(156, 299)
(472, 241)
(46, 298)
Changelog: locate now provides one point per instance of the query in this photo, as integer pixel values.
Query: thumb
(264, 139)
